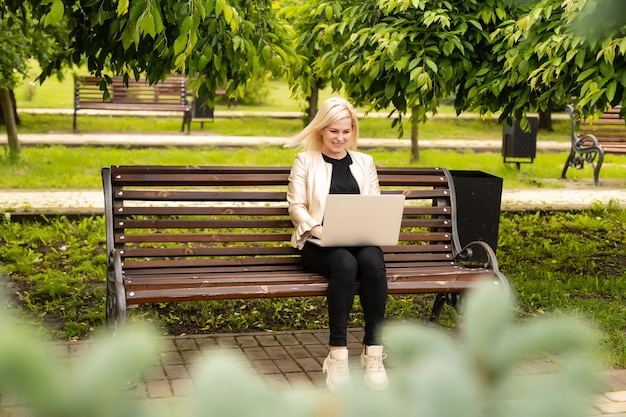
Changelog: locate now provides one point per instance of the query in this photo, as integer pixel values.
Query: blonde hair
(332, 110)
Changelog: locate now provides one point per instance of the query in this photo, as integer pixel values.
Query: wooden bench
(210, 233)
(169, 95)
(591, 140)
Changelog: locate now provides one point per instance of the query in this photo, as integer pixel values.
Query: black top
(342, 180)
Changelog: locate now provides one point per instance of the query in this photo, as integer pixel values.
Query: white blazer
(309, 184)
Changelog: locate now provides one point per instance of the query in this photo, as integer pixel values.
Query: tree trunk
(8, 111)
(17, 118)
(545, 119)
(415, 152)
(313, 105)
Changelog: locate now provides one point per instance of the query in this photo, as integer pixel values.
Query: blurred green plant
(94, 387)
(435, 374)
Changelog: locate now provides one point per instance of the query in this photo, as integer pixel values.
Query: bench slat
(123, 211)
(228, 196)
(424, 286)
(247, 279)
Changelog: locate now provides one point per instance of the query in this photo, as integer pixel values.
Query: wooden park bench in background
(591, 140)
(210, 233)
(169, 95)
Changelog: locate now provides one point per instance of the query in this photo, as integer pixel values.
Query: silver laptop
(361, 220)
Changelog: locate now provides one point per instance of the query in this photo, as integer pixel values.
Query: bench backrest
(169, 92)
(608, 128)
(168, 217)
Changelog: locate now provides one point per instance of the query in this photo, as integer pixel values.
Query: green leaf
(431, 64)
(328, 11)
(122, 7)
(149, 26)
(580, 58)
(180, 44)
(228, 13)
(390, 90)
(522, 68)
(56, 13)
(585, 74)
(610, 90)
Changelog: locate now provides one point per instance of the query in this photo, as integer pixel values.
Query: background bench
(210, 233)
(169, 95)
(591, 140)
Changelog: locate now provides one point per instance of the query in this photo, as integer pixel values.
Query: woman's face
(336, 137)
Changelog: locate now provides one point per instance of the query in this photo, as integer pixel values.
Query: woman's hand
(316, 231)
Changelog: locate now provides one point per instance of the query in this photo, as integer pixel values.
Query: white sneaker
(375, 374)
(336, 369)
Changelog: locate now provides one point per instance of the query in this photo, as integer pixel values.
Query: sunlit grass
(61, 167)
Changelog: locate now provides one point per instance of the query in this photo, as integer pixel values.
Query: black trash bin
(519, 146)
(478, 198)
(202, 112)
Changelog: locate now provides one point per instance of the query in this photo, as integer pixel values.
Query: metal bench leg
(74, 124)
(568, 163)
(440, 300)
(186, 119)
(596, 168)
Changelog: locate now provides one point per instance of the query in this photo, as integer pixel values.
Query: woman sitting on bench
(330, 164)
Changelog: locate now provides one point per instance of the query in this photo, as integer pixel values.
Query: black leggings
(343, 267)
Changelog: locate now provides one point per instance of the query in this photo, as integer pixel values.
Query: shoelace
(375, 363)
(339, 366)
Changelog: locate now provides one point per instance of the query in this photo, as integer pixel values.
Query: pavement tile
(176, 372)
(157, 372)
(309, 364)
(266, 366)
(267, 340)
(306, 339)
(246, 341)
(286, 339)
(205, 342)
(277, 381)
(318, 350)
(299, 379)
(159, 388)
(171, 357)
(182, 387)
(185, 344)
(276, 352)
(169, 345)
(256, 353)
(288, 365)
(191, 357)
(227, 342)
(297, 351)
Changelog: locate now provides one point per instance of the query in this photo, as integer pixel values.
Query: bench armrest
(581, 140)
(116, 294)
(480, 254)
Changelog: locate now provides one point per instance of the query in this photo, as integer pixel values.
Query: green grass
(60, 167)
(436, 128)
